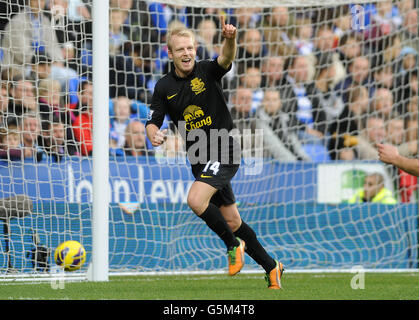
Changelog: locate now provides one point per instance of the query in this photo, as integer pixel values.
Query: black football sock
(216, 222)
(253, 247)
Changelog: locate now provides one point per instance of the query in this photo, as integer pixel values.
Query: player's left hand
(228, 31)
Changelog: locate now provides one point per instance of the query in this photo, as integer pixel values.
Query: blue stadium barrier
(163, 234)
(167, 236)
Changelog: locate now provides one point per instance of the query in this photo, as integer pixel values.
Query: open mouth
(186, 62)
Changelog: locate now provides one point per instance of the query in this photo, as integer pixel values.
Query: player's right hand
(228, 31)
(159, 137)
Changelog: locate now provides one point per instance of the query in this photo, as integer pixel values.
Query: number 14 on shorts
(211, 166)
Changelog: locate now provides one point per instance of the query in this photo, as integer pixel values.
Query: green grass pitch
(297, 286)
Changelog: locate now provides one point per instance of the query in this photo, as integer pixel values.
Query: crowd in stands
(322, 83)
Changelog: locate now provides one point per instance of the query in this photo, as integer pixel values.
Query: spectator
(73, 28)
(409, 33)
(207, 30)
(49, 99)
(51, 107)
(409, 58)
(124, 5)
(382, 103)
(252, 79)
(396, 135)
(344, 150)
(412, 119)
(56, 142)
(120, 120)
(135, 140)
(241, 113)
(246, 18)
(324, 40)
(391, 47)
(137, 25)
(278, 30)
(345, 130)
(250, 49)
(84, 97)
(303, 39)
(372, 133)
(373, 191)
(342, 22)
(4, 105)
(83, 125)
(78, 11)
(20, 45)
(382, 78)
(395, 131)
(70, 57)
(131, 72)
(163, 14)
(406, 89)
(350, 47)
(241, 103)
(116, 35)
(21, 96)
(300, 102)
(405, 6)
(40, 68)
(272, 72)
(10, 143)
(31, 132)
(196, 15)
(331, 102)
(279, 140)
(359, 71)
(386, 17)
(241, 108)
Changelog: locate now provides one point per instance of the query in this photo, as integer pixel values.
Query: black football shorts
(219, 176)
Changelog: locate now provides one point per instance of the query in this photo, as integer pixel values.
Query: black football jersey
(197, 107)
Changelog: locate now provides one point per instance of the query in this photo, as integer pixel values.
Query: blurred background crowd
(323, 83)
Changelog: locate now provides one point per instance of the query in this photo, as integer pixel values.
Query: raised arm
(229, 47)
(389, 154)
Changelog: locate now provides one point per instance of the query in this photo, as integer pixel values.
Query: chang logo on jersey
(195, 118)
(197, 85)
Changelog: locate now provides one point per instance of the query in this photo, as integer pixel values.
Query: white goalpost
(100, 205)
(315, 84)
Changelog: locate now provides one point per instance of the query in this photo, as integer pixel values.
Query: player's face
(183, 55)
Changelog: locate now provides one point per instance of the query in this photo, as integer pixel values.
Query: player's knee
(196, 204)
(234, 223)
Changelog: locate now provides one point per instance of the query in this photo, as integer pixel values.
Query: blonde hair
(178, 30)
(47, 85)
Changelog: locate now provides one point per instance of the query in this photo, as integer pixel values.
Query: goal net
(314, 86)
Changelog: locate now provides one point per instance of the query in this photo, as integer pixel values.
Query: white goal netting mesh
(314, 87)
